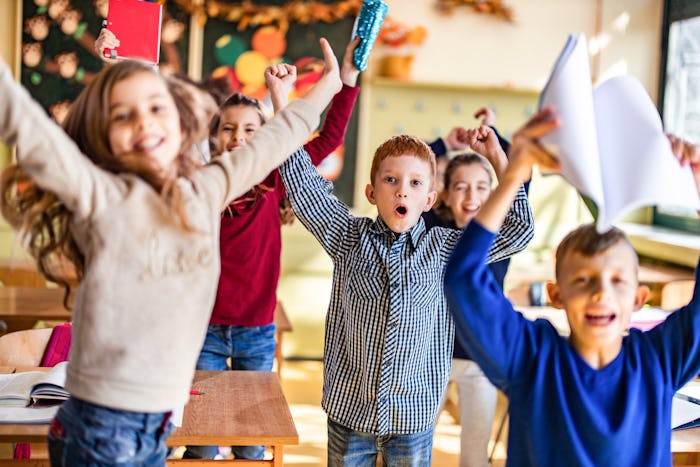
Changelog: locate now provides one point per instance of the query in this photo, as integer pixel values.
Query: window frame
(674, 10)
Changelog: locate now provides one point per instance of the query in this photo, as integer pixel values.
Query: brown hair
(403, 145)
(455, 163)
(43, 221)
(586, 241)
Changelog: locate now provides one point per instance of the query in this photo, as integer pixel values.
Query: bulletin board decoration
(247, 14)
(489, 7)
(58, 53)
(235, 57)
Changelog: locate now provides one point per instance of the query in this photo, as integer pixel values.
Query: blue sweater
(562, 411)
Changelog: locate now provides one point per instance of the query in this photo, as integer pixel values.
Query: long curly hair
(43, 221)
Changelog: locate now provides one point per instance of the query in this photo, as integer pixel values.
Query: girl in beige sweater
(120, 196)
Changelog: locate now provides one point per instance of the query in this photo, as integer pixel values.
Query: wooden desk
(239, 408)
(22, 307)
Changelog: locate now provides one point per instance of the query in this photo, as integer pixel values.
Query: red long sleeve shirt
(251, 237)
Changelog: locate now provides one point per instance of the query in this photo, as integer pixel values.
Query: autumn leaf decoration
(490, 7)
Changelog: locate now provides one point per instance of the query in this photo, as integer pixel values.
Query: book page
(15, 387)
(574, 143)
(52, 385)
(685, 407)
(18, 389)
(638, 166)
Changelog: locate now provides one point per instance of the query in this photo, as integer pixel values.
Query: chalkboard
(224, 43)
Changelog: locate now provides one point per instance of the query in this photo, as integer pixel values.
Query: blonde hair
(43, 220)
(403, 145)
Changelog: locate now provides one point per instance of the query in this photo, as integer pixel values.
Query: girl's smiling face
(143, 120)
(469, 188)
(237, 126)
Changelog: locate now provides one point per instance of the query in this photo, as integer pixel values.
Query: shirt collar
(414, 234)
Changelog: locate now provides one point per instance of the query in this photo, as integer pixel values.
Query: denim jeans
(250, 348)
(352, 448)
(85, 434)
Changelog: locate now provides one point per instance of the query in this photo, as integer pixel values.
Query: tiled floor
(302, 383)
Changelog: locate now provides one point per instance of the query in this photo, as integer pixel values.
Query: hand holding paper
(611, 144)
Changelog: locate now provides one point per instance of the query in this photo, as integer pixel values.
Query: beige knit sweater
(142, 309)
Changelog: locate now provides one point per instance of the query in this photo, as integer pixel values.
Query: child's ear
(369, 193)
(432, 197)
(554, 294)
(641, 296)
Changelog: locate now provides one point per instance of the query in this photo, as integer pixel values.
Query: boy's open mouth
(600, 320)
(401, 210)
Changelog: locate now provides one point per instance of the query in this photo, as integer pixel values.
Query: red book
(136, 23)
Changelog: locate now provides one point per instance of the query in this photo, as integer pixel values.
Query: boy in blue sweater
(598, 398)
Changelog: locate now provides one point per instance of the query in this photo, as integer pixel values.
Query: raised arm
(518, 227)
(322, 213)
(47, 154)
(335, 126)
(280, 79)
(275, 140)
(525, 152)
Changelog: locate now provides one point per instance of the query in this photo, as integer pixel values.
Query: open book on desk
(685, 408)
(610, 144)
(34, 387)
(32, 396)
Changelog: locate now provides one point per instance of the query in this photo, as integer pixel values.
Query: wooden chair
(676, 294)
(24, 348)
(20, 272)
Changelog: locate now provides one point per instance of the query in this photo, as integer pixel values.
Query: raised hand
(106, 40)
(280, 80)
(487, 116)
(526, 150)
(457, 139)
(484, 141)
(323, 91)
(688, 154)
(348, 70)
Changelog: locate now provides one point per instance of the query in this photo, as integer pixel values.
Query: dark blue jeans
(250, 348)
(350, 448)
(85, 434)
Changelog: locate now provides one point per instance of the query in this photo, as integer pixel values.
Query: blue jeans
(250, 348)
(352, 448)
(85, 434)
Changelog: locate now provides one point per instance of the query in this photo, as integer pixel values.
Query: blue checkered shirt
(389, 334)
